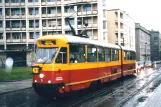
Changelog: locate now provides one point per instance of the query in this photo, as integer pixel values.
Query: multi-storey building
(121, 28)
(160, 45)
(22, 21)
(155, 45)
(142, 37)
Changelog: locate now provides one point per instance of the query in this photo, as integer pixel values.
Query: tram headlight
(41, 75)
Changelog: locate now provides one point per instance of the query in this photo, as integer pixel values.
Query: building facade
(121, 28)
(142, 37)
(155, 45)
(22, 21)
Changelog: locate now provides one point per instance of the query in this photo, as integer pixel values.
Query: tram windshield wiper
(45, 61)
(49, 58)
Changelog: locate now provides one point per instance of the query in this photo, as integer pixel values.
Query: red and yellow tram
(67, 63)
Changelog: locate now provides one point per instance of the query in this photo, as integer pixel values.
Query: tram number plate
(35, 70)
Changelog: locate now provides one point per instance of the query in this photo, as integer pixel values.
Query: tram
(66, 63)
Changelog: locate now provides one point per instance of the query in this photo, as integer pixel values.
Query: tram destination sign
(48, 42)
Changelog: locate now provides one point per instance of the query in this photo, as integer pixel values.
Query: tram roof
(80, 40)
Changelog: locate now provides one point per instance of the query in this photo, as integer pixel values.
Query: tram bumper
(47, 89)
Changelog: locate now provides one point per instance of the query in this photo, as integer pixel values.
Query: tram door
(62, 63)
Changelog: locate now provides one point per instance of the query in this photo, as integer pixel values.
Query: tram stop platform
(155, 99)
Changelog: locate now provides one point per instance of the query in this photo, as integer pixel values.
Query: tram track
(114, 90)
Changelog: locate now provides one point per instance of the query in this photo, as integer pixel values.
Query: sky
(145, 12)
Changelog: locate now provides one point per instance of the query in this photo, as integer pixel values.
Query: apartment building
(121, 28)
(142, 37)
(22, 21)
(155, 45)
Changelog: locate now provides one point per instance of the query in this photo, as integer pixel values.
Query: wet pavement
(16, 85)
(28, 98)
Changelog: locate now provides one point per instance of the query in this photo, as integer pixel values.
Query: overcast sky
(145, 12)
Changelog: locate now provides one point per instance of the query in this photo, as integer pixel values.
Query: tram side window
(115, 55)
(125, 55)
(92, 53)
(101, 54)
(62, 56)
(128, 55)
(77, 53)
(133, 56)
(108, 54)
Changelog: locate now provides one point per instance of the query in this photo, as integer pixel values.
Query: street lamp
(145, 52)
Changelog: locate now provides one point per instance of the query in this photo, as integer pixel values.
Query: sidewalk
(13, 86)
(155, 99)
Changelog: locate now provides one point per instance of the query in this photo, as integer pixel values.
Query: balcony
(15, 16)
(16, 40)
(33, 16)
(51, 15)
(94, 12)
(7, 4)
(14, 4)
(1, 17)
(48, 3)
(51, 27)
(9, 40)
(31, 28)
(22, 3)
(1, 28)
(33, 4)
(80, 26)
(94, 25)
(23, 27)
(18, 28)
(1, 4)
(31, 40)
(86, 13)
(8, 28)
(1, 41)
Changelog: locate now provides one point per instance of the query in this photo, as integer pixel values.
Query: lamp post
(145, 53)
(34, 28)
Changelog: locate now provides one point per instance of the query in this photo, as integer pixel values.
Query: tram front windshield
(45, 55)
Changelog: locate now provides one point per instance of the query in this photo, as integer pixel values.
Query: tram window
(92, 54)
(125, 55)
(101, 54)
(108, 54)
(62, 56)
(115, 55)
(77, 53)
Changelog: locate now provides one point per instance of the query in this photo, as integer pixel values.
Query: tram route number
(35, 70)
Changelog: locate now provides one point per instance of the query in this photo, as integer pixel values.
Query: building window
(71, 21)
(1, 36)
(104, 35)
(104, 13)
(16, 36)
(104, 24)
(69, 9)
(87, 8)
(155, 38)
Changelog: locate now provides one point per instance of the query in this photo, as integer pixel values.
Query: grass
(16, 73)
